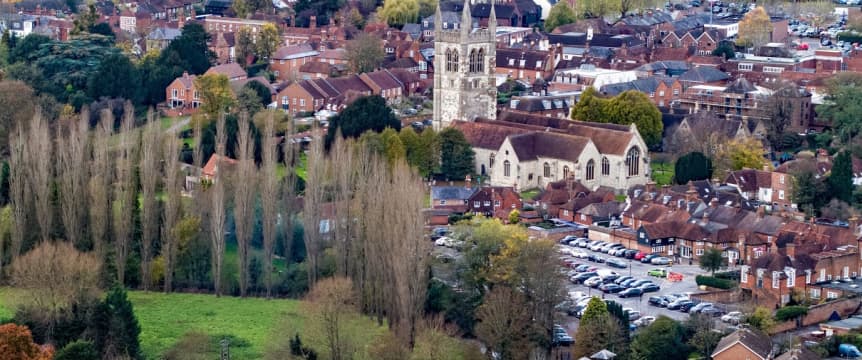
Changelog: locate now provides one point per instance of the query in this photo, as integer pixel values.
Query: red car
(640, 255)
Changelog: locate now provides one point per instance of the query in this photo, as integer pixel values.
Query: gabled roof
(533, 145)
(212, 166)
(749, 180)
(232, 70)
(664, 65)
(317, 67)
(451, 192)
(483, 10)
(675, 229)
(645, 85)
(603, 209)
(756, 341)
(486, 136)
(294, 52)
(533, 59)
(598, 40)
(704, 74)
(608, 138)
(384, 79)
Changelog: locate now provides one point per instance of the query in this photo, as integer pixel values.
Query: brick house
(232, 71)
(317, 70)
(568, 210)
(772, 278)
(745, 343)
(526, 65)
(334, 93)
(598, 213)
(181, 93)
(664, 237)
(287, 60)
(454, 198)
(385, 84)
(496, 201)
(544, 105)
(661, 91)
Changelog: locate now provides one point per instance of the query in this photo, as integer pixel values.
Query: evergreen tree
(456, 154)
(78, 350)
(115, 327)
(841, 179)
(365, 113)
(663, 339)
(692, 166)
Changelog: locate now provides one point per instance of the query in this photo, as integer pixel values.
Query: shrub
(714, 282)
(790, 312)
(78, 350)
(728, 275)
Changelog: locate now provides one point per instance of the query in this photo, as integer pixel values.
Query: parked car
(676, 305)
(568, 239)
(631, 292)
(648, 258)
(622, 278)
(644, 321)
(697, 308)
(649, 287)
(600, 260)
(640, 282)
(849, 351)
(580, 254)
(630, 254)
(661, 260)
(593, 282)
(640, 255)
(582, 268)
(617, 263)
(732, 317)
(686, 307)
(712, 311)
(597, 245)
(561, 339)
(633, 314)
(657, 273)
(610, 288)
(628, 283)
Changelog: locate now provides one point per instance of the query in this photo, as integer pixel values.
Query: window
(791, 277)
(815, 293)
(507, 168)
(197, 95)
(565, 212)
(174, 93)
(776, 279)
(606, 166)
(661, 93)
(476, 204)
(745, 67)
(698, 252)
(565, 172)
(781, 179)
(591, 169)
(301, 102)
(511, 62)
(807, 276)
(743, 274)
(491, 160)
(781, 194)
(477, 60)
(547, 170)
(496, 203)
(451, 60)
(831, 295)
(442, 202)
(773, 69)
(633, 161)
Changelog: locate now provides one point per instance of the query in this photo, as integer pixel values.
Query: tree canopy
(396, 13)
(364, 114)
(692, 166)
(364, 53)
(663, 339)
(755, 28)
(739, 154)
(560, 14)
(712, 260)
(629, 107)
(841, 177)
(456, 154)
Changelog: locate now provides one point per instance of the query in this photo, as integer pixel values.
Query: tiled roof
(550, 145)
(664, 65)
(608, 138)
(675, 229)
(317, 67)
(231, 70)
(503, 11)
(212, 166)
(598, 40)
(540, 103)
(533, 59)
(704, 74)
(486, 136)
(799, 353)
(451, 192)
(750, 180)
(294, 52)
(384, 79)
(603, 209)
(645, 85)
(755, 340)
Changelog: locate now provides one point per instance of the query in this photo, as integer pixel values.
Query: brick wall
(720, 296)
(820, 313)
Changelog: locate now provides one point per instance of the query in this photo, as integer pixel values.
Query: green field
(662, 173)
(7, 299)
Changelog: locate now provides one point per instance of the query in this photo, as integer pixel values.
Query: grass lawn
(8, 298)
(662, 173)
(530, 194)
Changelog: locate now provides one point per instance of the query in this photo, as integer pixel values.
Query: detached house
(496, 201)
(181, 93)
(745, 343)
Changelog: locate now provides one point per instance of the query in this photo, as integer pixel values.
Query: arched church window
(547, 170)
(606, 167)
(633, 161)
(507, 168)
(591, 169)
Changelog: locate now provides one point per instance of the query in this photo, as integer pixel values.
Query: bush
(78, 350)
(790, 312)
(728, 275)
(714, 282)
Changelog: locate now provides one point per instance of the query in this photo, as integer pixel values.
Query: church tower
(464, 62)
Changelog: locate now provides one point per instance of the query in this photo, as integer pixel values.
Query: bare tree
(244, 193)
(39, 165)
(407, 249)
(19, 189)
(505, 323)
(72, 176)
(56, 276)
(268, 198)
(149, 173)
(315, 193)
(332, 303)
(368, 269)
(173, 206)
(101, 173)
(124, 190)
(342, 172)
(217, 208)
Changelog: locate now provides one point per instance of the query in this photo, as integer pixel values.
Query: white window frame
(776, 279)
(743, 274)
(745, 67)
(773, 69)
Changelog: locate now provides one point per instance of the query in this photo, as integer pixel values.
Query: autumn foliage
(16, 343)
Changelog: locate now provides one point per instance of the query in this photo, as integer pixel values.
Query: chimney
(790, 250)
(705, 218)
(312, 22)
(691, 193)
(467, 181)
(854, 224)
(713, 203)
(765, 167)
(650, 186)
(664, 189)
(185, 74)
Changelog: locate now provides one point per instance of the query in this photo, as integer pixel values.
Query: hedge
(714, 282)
(728, 275)
(790, 312)
(849, 36)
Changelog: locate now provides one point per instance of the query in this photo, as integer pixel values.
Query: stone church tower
(464, 63)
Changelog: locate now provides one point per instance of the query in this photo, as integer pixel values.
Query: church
(521, 150)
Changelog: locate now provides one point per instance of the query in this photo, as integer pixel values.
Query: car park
(640, 282)
(610, 288)
(649, 287)
(661, 260)
(697, 308)
(580, 254)
(593, 282)
(616, 263)
(631, 292)
(686, 307)
(597, 245)
(628, 283)
(712, 311)
(568, 239)
(633, 314)
(640, 255)
(580, 278)
(644, 321)
(622, 278)
(648, 258)
(582, 268)
(657, 272)
(599, 260)
(678, 304)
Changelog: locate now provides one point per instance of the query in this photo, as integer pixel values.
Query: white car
(580, 254)
(443, 241)
(732, 317)
(593, 281)
(644, 321)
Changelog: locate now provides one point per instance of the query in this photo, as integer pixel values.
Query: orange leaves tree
(16, 343)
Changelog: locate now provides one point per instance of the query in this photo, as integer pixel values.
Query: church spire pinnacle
(492, 21)
(466, 19)
(438, 20)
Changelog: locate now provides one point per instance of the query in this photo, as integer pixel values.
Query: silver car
(660, 261)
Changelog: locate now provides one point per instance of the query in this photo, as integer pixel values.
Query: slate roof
(533, 145)
(486, 136)
(483, 10)
(317, 67)
(740, 86)
(750, 180)
(531, 58)
(231, 70)
(451, 192)
(450, 19)
(664, 66)
(599, 40)
(294, 52)
(415, 30)
(647, 19)
(164, 33)
(777, 262)
(539, 103)
(755, 340)
(704, 74)
(603, 209)
(645, 85)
